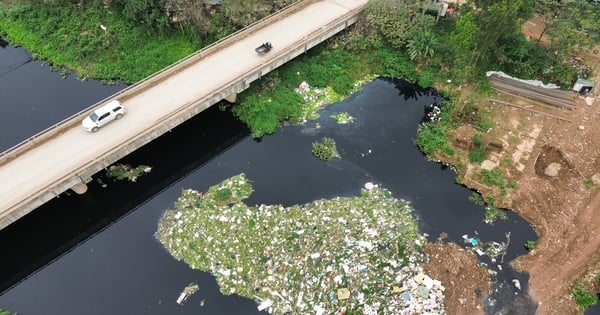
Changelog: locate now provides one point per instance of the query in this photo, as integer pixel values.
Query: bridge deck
(36, 170)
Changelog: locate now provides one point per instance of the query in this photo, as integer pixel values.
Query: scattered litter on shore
(324, 257)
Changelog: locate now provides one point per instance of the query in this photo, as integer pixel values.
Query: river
(96, 253)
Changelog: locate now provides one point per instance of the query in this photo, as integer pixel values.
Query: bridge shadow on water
(58, 226)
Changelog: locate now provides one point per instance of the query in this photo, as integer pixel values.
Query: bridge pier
(81, 187)
(231, 98)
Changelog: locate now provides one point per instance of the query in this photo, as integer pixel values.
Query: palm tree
(422, 46)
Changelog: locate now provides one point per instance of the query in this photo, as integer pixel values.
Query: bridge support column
(81, 187)
(231, 98)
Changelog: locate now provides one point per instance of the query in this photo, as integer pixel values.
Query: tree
(575, 28)
(149, 12)
(396, 21)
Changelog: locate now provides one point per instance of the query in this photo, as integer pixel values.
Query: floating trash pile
(188, 291)
(325, 257)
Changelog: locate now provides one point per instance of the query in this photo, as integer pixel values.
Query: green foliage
(476, 199)
(484, 125)
(492, 213)
(393, 64)
(325, 149)
(422, 46)
(342, 118)
(148, 12)
(125, 171)
(222, 196)
(4, 312)
(588, 183)
(432, 138)
(426, 78)
(71, 36)
(478, 150)
(390, 20)
(264, 113)
(583, 298)
(523, 59)
(529, 245)
(493, 177)
(464, 47)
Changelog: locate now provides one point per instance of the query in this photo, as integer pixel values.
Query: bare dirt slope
(554, 157)
(553, 154)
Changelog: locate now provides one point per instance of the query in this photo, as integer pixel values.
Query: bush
(477, 154)
(583, 298)
(432, 138)
(493, 177)
(529, 245)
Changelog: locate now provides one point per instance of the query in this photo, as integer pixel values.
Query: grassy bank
(94, 41)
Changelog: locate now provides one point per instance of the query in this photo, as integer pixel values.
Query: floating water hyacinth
(319, 258)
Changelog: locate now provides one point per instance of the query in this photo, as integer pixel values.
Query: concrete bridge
(64, 156)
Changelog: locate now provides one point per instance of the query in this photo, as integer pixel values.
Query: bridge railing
(138, 87)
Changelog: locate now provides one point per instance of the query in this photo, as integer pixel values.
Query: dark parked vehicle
(264, 48)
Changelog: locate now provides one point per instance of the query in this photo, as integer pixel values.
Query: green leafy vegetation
(342, 118)
(477, 153)
(493, 177)
(476, 199)
(588, 183)
(529, 245)
(583, 298)
(95, 41)
(492, 213)
(126, 171)
(325, 149)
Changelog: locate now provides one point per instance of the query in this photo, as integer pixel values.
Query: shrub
(478, 151)
(432, 138)
(529, 245)
(493, 177)
(583, 298)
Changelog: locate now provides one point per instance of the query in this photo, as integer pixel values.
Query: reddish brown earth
(560, 202)
(459, 270)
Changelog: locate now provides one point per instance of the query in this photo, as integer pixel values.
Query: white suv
(103, 115)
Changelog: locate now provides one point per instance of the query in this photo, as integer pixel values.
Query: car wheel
(119, 116)
(94, 129)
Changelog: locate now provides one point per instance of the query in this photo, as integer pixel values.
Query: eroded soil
(553, 155)
(458, 269)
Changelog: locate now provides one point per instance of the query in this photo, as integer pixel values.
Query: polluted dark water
(34, 96)
(96, 253)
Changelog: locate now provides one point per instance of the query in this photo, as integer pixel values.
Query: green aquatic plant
(342, 118)
(126, 171)
(325, 149)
